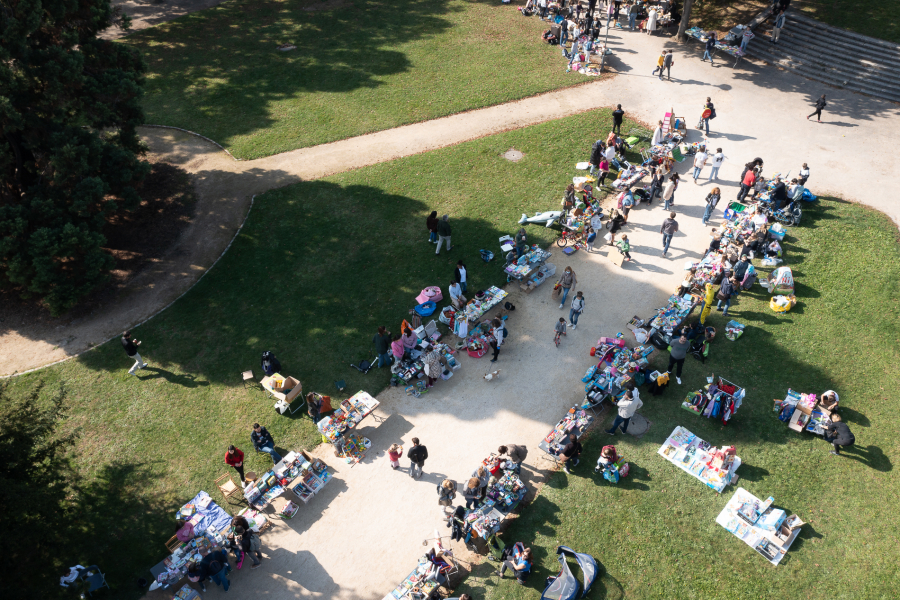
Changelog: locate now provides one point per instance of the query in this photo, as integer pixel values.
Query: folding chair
(228, 487)
(677, 155)
(448, 554)
(173, 544)
(94, 578)
(248, 379)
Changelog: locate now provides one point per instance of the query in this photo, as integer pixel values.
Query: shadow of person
(188, 380)
(871, 456)
(851, 416)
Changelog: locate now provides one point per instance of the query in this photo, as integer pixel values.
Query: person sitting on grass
(608, 457)
(519, 561)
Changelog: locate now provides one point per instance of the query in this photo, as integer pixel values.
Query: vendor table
(699, 459)
(351, 412)
(733, 51)
(721, 403)
(415, 586)
(493, 296)
(304, 475)
(670, 317)
(527, 264)
(806, 414)
(499, 502)
(617, 366)
(576, 421)
(765, 529)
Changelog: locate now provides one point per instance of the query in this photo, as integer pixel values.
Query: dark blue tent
(566, 585)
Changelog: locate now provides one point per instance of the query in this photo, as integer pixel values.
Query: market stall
(522, 268)
(725, 45)
(714, 467)
(424, 579)
(761, 526)
(576, 421)
(304, 475)
(717, 400)
(617, 365)
(661, 327)
(350, 414)
(208, 522)
(284, 390)
(500, 501)
(803, 412)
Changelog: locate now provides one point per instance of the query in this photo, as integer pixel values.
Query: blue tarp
(213, 515)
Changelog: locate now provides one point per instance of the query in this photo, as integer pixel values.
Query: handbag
(721, 296)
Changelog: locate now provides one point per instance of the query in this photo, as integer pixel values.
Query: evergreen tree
(69, 149)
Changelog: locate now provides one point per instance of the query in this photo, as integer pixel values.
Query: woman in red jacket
(235, 458)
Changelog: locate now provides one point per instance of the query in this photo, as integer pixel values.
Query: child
(394, 454)
(591, 236)
(624, 247)
(560, 329)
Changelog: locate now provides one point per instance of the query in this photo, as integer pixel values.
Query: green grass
(655, 533)
(880, 19)
(316, 269)
(362, 67)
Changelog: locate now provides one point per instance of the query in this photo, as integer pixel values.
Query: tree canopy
(69, 149)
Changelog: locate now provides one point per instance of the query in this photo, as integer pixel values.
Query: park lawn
(316, 269)
(358, 67)
(655, 533)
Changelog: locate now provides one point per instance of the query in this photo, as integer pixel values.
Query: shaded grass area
(880, 19)
(316, 269)
(362, 66)
(655, 533)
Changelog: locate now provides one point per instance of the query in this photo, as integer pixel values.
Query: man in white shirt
(717, 159)
(699, 162)
(627, 406)
(456, 295)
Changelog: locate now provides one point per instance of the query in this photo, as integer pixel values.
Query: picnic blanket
(211, 513)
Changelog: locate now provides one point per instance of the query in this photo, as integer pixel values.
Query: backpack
(509, 306)
(505, 334)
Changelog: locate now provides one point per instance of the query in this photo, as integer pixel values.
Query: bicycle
(556, 338)
(567, 235)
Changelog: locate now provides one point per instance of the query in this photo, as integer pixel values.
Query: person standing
(235, 459)
(632, 15)
(627, 406)
(712, 113)
(483, 476)
(590, 239)
(699, 162)
(431, 223)
(668, 229)
(522, 237)
(417, 455)
(576, 310)
(659, 64)
(652, 16)
(394, 454)
(472, 493)
(443, 230)
(727, 291)
(315, 402)
(566, 281)
(747, 184)
(717, 159)
(433, 366)
(658, 136)
(382, 341)
(564, 34)
(669, 191)
(571, 451)
(745, 38)
(804, 174)
(498, 332)
(213, 566)
(250, 544)
(669, 61)
(446, 491)
(263, 442)
(461, 276)
(560, 330)
(618, 115)
(779, 25)
(678, 350)
(838, 434)
(820, 104)
(710, 48)
(711, 200)
(131, 349)
(515, 453)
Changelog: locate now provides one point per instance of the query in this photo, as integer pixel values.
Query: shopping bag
(557, 291)
(608, 237)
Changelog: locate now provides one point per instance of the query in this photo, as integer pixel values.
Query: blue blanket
(213, 515)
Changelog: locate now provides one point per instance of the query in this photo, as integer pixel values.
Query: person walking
(747, 183)
(566, 281)
(382, 341)
(560, 330)
(443, 230)
(235, 458)
(394, 454)
(624, 247)
(667, 63)
(250, 544)
(659, 64)
(668, 229)
(717, 159)
(711, 200)
(571, 451)
(431, 222)
(263, 442)
(712, 113)
(576, 310)
(779, 25)
(699, 162)
(669, 191)
(498, 332)
(417, 455)
(131, 349)
(617, 116)
(678, 350)
(626, 407)
(710, 48)
(820, 104)
(838, 434)
(461, 276)
(727, 291)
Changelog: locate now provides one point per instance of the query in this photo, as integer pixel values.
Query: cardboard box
(772, 519)
(290, 384)
(634, 323)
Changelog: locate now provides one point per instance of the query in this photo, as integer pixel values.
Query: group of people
(242, 540)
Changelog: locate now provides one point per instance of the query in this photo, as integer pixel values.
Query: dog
(492, 376)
